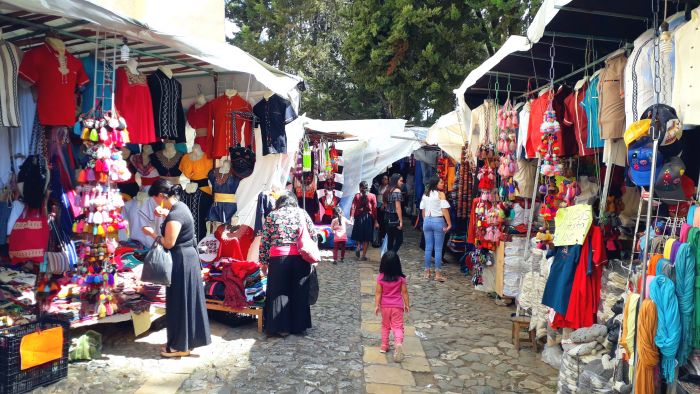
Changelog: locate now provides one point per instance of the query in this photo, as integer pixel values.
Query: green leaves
(377, 58)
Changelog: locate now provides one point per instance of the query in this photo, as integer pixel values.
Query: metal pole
(602, 13)
(530, 219)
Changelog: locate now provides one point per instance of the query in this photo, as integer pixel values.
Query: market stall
(593, 109)
(117, 107)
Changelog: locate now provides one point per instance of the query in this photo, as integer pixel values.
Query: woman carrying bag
(186, 311)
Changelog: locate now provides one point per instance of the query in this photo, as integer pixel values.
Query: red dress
(198, 118)
(132, 99)
(56, 77)
(221, 122)
(585, 292)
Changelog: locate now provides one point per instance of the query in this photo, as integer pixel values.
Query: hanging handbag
(157, 265)
(307, 247)
(30, 237)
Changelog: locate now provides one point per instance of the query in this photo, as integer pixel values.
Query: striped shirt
(10, 57)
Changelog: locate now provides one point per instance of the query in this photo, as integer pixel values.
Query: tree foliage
(377, 58)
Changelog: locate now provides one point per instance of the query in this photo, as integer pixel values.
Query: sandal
(427, 274)
(439, 277)
(171, 354)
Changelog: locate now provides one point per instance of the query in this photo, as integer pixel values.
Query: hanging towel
(628, 329)
(668, 330)
(648, 353)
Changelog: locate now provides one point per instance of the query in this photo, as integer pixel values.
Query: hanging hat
(242, 161)
(639, 158)
(665, 121)
(637, 130)
(667, 185)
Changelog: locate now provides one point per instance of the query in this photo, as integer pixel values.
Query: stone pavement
(457, 340)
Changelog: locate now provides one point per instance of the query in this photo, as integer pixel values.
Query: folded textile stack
(613, 284)
(153, 293)
(515, 266)
(595, 378)
(530, 297)
(255, 288)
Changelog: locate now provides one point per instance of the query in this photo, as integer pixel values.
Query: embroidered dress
(273, 114)
(56, 77)
(222, 124)
(281, 228)
(197, 171)
(132, 98)
(167, 167)
(148, 173)
(166, 98)
(198, 118)
(199, 204)
(224, 187)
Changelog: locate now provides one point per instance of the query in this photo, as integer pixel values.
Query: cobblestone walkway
(457, 340)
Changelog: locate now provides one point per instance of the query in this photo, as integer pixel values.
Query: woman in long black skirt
(364, 214)
(186, 311)
(287, 308)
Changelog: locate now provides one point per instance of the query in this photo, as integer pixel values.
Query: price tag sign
(572, 225)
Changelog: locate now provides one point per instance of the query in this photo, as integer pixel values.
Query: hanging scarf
(648, 353)
(685, 289)
(694, 241)
(628, 329)
(668, 331)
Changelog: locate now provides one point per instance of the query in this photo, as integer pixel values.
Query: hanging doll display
(549, 148)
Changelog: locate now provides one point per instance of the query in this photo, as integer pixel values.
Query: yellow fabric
(668, 247)
(224, 197)
(628, 329)
(197, 169)
(450, 174)
(637, 130)
(648, 352)
(141, 321)
(41, 347)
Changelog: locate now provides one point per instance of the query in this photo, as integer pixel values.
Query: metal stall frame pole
(650, 203)
(530, 219)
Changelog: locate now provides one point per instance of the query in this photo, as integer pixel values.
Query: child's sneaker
(335, 262)
(383, 349)
(398, 354)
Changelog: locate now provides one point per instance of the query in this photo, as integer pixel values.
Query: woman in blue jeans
(436, 223)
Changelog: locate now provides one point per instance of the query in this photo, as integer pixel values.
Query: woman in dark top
(186, 312)
(393, 213)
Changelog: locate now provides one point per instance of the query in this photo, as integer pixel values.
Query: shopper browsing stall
(436, 223)
(364, 214)
(186, 312)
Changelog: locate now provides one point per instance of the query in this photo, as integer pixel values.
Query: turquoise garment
(694, 241)
(89, 89)
(668, 329)
(590, 104)
(685, 291)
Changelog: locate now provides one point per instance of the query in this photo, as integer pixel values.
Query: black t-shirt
(273, 114)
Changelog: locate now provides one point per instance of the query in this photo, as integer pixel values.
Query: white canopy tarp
(227, 58)
(369, 154)
(449, 134)
(548, 10)
(512, 44)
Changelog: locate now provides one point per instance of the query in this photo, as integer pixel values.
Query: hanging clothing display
(575, 117)
(328, 202)
(56, 76)
(133, 100)
(222, 124)
(687, 63)
(199, 204)
(611, 93)
(591, 104)
(10, 58)
(167, 166)
(148, 172)
(273, 114)
(166, 99)
(198, 118)
(96, 69)
(224, 187)
(197, 170)
(482, 129)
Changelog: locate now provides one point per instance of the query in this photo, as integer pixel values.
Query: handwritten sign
(572, 225)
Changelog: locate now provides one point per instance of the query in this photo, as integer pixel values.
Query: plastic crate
(12, 378)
